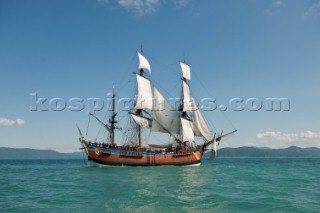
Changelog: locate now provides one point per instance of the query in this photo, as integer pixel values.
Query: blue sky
(78, 48)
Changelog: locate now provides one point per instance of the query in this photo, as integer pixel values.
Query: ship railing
(182, 154)
(125, 153)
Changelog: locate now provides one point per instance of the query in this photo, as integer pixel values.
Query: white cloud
(313, 10)
(280, 139)
(19, 122)
(275, 7)
(140, 7)
(143, 7)
(103, 1)
(290, 137)
(182, 3)
(278, 3)
(8, 122)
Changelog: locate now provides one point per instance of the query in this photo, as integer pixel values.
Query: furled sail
(166, 118)
(143, 63)
(200, 127)
(144, 97)
(186, 97)
(186, 130)
(142, 121)
(186, 70)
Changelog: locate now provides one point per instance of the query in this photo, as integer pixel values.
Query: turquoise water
(223, 185)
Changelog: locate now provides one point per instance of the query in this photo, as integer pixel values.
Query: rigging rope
(95, 140)
(129, 65)
(123, 85)
(228, 120)
(146, 137)
(88, 126)
(207, 91)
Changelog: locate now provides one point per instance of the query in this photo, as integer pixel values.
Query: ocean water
(223, 185)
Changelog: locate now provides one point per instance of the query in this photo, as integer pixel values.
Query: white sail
(200, 127)
(157, 127)
(186, 97)
(186, 70)
(144, 97)
(141, 121)
(166, 118)
(186, 130)
(213, 151)
(143, 63)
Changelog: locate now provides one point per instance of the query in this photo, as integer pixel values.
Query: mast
(144, 98)
(139, 112)
(186, 131)
(112, 120)
(186, 76)
(139, 136)
(182, 113)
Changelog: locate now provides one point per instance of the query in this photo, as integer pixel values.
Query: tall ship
(152, 112)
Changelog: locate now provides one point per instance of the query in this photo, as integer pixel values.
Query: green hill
(26, 153)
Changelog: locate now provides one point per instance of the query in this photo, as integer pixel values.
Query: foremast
(112, 120)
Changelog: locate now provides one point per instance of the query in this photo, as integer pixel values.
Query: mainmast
(183, 104)
(186, 131)
(186, 76)
(112, 120)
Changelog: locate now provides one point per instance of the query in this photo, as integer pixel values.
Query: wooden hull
(117, 157)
